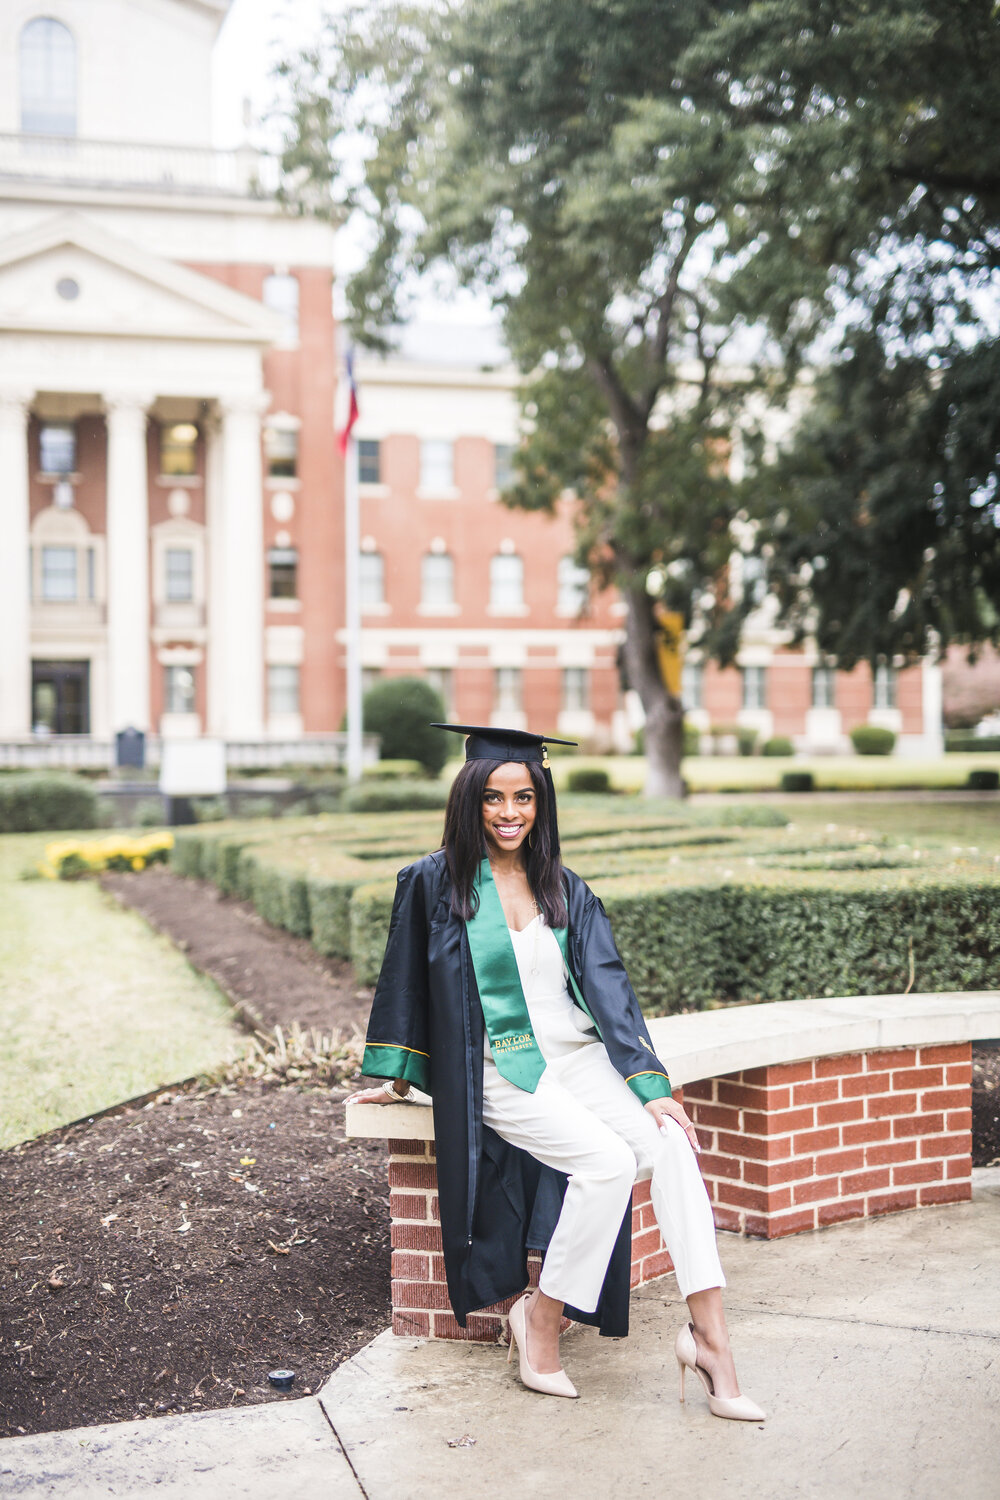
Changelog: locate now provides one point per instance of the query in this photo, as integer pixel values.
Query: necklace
(536, 923)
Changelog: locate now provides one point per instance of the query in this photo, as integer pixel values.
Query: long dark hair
(464, 841)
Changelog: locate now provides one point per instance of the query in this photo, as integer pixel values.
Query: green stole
(508, 1025)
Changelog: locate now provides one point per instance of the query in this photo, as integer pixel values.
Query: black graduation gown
(427, 1025)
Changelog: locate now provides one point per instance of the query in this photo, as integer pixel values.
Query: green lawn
(94, 1006)
(950, 824)
(758, 773)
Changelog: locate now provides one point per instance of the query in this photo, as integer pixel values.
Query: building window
(178, 689)
(180, 575)
(575, 689)
(369, 677)
(437, 470)
(754, 687)
(507, 690)
(281, 447)
(574, 587)
(691, 685)
(437, 580)
(283, 573)
(441, 680)
(48, 78)
(57, 447)
(372, 580)
(91, 574)
(282, 690)
(503, 465)
(281, 294)
(823, 687)
(369, 461)
(179, 449)
(59, 575)
(506, 582)
(885, 687)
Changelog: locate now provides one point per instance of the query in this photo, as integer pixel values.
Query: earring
(528, 840)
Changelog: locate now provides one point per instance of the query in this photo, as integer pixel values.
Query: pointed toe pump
(558, 1382)
(739, 1408)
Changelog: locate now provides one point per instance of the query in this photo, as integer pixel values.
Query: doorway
(60, 697)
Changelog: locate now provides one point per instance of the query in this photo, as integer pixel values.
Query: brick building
(167, 377)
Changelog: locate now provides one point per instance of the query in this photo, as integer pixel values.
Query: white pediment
(123, 291)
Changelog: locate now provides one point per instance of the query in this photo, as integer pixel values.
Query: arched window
(48, 78)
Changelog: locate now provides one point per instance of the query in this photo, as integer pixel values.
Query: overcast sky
(255, 34)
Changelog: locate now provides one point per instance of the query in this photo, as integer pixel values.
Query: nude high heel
(558, 1382)
(740, 1408)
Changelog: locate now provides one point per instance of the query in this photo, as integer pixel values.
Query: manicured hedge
(963, 741)
(371, 908)
(35, 803)
(872, 739)
(701, 914)
(806, 935)
(390, 796)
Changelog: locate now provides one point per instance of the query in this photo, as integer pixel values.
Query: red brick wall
(799, 1145)
(789, 692)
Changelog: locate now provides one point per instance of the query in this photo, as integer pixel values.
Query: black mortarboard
(487, 743)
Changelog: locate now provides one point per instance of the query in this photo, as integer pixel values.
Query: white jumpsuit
(583, 1119)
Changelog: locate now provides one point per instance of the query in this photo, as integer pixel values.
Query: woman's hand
(371, 1096)
(662, 1109)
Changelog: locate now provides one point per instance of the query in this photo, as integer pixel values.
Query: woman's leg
(711, 1338)
(680, 1201)
(557, 1129)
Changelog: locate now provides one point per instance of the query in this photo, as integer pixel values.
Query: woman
(502, 994)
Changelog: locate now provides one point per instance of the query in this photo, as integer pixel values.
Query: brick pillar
(796, 1146)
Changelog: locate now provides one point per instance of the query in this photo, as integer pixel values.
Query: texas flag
(344, 436)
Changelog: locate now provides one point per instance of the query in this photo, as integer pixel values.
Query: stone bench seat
(809, 1112)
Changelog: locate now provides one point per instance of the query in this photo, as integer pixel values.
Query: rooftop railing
(72, 162)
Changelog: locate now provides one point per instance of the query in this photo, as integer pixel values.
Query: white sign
(193, 768)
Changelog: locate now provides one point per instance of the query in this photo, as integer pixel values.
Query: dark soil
(274, 977)
(165, 1256)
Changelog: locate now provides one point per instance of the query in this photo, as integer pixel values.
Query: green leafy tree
(401, 711)
(551, 162)
(875, 126)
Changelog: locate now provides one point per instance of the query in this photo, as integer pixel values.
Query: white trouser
(583, 1119)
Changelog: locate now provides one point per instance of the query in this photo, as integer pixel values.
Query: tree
(401, 711)
(556, 166)
(875, 126)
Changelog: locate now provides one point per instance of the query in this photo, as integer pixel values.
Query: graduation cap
(487, 743)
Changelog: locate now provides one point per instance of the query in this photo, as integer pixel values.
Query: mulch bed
(165, 1256)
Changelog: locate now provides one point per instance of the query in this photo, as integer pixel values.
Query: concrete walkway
(873, 1346)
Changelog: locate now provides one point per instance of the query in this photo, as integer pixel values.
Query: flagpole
(352, 607)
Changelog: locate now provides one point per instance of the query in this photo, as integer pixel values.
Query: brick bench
(809, 1112)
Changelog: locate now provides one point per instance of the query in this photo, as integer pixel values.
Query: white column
(243, 561)
(215, 578)
(128, 563)
(932, 686)
(15, 609)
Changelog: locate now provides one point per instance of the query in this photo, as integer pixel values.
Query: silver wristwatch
(406, 1098)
